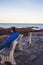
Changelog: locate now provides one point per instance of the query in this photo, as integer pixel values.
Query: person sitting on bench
(9, 40)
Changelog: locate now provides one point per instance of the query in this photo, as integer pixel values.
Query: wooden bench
(7, 54)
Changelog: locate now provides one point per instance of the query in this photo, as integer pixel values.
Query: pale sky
(21, 11)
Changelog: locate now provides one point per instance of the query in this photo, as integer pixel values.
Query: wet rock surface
(24, 59)
(31, 55)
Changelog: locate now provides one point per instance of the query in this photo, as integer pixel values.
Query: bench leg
(11, 56)
(20, 43)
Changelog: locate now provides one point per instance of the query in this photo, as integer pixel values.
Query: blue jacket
(9, 40)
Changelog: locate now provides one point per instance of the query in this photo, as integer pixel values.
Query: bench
(7, 54)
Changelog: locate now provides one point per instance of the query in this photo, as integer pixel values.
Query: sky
(21, 11)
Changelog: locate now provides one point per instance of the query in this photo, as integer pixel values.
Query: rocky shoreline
(5, 31)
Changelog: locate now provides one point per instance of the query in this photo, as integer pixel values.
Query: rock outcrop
(4, 31)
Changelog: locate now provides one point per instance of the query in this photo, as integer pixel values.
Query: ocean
(6, 25)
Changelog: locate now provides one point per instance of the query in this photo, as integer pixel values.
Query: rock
(2, 64)
(32, 57)
(7, 63)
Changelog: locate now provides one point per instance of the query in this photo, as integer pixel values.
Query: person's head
(12, 29)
